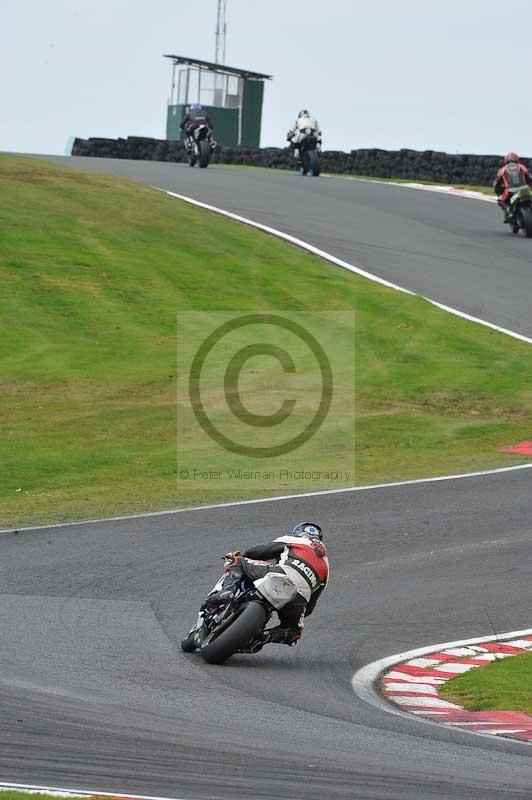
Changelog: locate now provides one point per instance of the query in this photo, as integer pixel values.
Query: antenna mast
(221, 33)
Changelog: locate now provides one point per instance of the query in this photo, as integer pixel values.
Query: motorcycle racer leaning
(511, 176)
(302, 556)
(303, 127)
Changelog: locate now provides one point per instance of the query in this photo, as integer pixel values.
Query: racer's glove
(232, 559)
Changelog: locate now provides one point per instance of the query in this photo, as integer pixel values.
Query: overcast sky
(447, 75)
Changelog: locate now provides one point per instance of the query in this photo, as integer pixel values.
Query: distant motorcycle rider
(304, 126)
(301, 556)
(511, 177)
(196, 116)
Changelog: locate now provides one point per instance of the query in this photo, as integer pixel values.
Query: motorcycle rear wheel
(314, 163)
(204, 154)
(237, 635)
(525, 214)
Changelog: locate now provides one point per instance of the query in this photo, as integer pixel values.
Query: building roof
(222, 68)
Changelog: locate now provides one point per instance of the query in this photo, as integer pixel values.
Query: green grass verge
(93, 270)
(504, 685)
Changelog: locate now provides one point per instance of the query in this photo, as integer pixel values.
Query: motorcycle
(310, 155)
(238, 625)
(200, 146)
(520, 214)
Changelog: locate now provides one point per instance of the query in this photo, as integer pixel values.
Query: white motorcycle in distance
(238, 625)
(309, 149)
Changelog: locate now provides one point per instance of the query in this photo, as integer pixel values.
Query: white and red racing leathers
(305, 562)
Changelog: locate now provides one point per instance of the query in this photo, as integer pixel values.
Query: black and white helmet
(303, 113)
(310, 530)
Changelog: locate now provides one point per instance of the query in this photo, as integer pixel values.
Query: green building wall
(252, 112)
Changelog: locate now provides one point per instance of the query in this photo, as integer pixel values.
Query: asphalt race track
(94, 690)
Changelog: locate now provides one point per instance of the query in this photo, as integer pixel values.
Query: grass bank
(93, 270)
(504, 685)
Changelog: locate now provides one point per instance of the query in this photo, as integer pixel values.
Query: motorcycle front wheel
(246, 626)
(187, 644)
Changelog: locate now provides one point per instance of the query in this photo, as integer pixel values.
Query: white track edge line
(438, 188)
(344, 264)
(79, 792)
(277, 498)
(364, 680)
(451, 191)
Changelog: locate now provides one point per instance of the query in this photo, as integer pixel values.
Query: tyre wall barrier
(426, 165)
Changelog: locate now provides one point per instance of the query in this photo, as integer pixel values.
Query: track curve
(94, 691)
(453, 249)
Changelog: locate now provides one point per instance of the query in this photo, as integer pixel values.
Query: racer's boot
(506, 210)
(280, 635)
